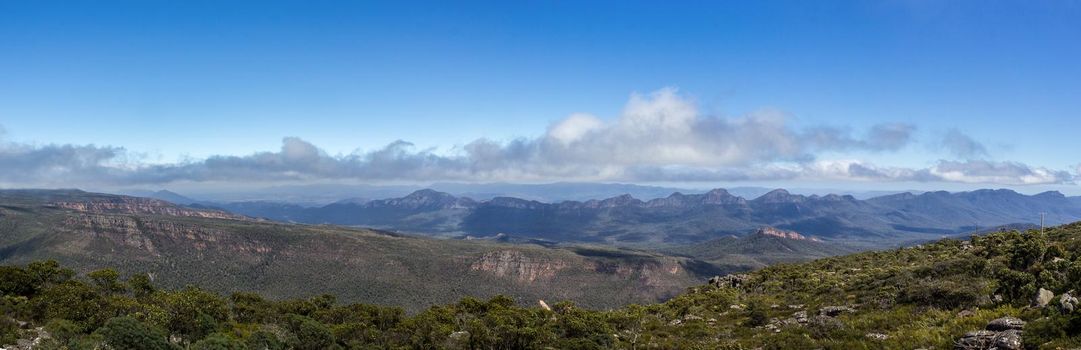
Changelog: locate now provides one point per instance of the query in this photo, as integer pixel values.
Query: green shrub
(219, 341)
(126, 333)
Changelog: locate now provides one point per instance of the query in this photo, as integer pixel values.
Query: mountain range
(687, 218)
(314, 195)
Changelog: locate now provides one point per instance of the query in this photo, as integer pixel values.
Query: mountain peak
(426, 198)
(172, 197)
(428, 193)
(621, 200)
(718, 192)
(779, 196)
(1050, 194)
(720, 196)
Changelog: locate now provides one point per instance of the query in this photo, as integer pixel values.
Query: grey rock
(975, 340)
(1005, 324)
(1008, 340)
(876, 336)
(1067, 303)
(1001, 334)
(800, 316)
(459, 335)
(729, 281)
(1043, 297)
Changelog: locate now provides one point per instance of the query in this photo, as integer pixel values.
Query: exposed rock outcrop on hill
(770, 231)
(1000, 334)
(516, 264)
(137, 205)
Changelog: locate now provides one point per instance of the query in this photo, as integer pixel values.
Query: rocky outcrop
(770, 231)
(1005, 323)
(513, 263)
(651, 272)
(141, 234)
(729, 281)
(1000, 334)
(136, 205)
(1067, 302)
(975, 340)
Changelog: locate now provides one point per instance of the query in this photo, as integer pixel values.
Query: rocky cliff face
(136, 205)
(509, 263)
(513, 263)
(770, 231)
(651, 273)
(141, 234)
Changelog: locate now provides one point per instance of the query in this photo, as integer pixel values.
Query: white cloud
(574, 128)
(660, 136)
(1011, 173)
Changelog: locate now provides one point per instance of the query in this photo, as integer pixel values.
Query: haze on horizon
(862, 95)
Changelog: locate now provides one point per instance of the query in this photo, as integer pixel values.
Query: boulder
(1067, 303)
(1005, 324)
(1043, 297)
(1001, 334)
(975, 340)
(1008, 340)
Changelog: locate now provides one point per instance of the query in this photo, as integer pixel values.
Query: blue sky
(167, 84)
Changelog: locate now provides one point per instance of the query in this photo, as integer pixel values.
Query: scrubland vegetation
(926, 296)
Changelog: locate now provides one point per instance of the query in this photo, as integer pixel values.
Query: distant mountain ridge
(687, 218)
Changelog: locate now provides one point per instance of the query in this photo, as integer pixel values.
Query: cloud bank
(660, 136)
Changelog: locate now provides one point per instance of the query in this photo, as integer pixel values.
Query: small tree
(107, 281)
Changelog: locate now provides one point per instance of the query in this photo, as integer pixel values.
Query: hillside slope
(226, 253)
(1007, 291)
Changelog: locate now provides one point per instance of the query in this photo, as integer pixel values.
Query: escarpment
(141, 234)
(652, 272)
(135, 205)
(513, 263)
